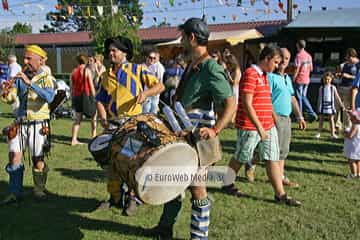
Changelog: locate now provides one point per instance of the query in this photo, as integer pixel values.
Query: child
(352, 145)
(326, 103)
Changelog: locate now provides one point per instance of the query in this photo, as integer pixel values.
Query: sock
(200, 219)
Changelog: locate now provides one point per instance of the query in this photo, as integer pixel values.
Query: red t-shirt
(255, 81)
(78, 83)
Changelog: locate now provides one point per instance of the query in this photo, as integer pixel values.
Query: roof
(146, 34)
(54, 38)
(232, 37)
(341, 18)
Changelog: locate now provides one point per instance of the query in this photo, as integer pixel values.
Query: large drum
(151, 159)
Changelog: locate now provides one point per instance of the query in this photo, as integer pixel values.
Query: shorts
(77, 104)
(283, 126)
(248, 140)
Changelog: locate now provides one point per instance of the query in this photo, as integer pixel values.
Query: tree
(19, 28)
(115, 25)
(73, 16)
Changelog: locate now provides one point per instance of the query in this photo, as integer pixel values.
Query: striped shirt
(255, 82)
(118, 91)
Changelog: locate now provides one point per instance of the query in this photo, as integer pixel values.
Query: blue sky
(34, 11)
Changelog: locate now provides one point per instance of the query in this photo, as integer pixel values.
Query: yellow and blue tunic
(118, 91)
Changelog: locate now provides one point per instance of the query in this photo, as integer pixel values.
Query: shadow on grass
(60, 217)
(306, 159)
(312, 171)
(319, 147)
(83, 174)
(228, 146)
(66, 140)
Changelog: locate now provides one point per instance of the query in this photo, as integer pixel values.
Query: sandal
(232, 190)
(285, 199)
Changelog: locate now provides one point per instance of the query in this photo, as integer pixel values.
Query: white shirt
(14, 68)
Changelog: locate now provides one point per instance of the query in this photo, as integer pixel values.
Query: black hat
(196, 26)
(122, 43)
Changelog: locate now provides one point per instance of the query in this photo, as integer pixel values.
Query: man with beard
(121, 95)
(31, 127)
(203, 86)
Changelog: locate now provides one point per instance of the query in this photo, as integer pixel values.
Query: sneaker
(232, 190)
(10, 199)
(318, 135)
(285, 199)
(130, 209)
(286, 182)
(159, 232)
(351, 176)
(250, 172)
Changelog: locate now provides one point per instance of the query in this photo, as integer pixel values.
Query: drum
(153, 160)
(99, 148)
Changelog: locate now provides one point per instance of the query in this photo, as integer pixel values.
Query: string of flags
(91, 11)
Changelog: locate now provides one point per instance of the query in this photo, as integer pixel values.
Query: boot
(39, 179)
(16, 175)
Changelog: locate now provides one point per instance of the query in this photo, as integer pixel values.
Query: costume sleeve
(147, 78)
(47, 93)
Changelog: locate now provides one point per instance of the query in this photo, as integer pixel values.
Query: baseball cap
(196, 26)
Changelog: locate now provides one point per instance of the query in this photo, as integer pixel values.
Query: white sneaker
(317, 135)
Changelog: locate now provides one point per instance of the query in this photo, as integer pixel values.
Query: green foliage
(19, 28)
(112, 26)
(85, 19)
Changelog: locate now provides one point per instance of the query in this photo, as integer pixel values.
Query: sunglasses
(151, 57)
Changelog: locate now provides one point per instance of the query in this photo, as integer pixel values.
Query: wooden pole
(289, 11)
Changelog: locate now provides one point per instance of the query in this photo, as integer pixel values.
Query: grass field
(331, 206)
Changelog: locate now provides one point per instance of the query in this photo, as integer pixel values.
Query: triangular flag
(281, 5)
(134, 18)
(324, 8)
(310, 8)
(239, 3)
(115, 9)
(70, 9)
(252, 2)
(266, 2)
(157, 4)
(295, 6)
(213, 18)
(221, 2)
(100, 10)
(155, 19)
(88, 11)
(171, 2)
(234, 17)
(5, 5)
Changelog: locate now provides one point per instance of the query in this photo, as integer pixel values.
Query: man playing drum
(121, 95)
(31, 128)
(203, 86)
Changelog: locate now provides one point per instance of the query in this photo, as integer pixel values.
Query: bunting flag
(57, 6)
(134, 18)
(171, 2)
(5, 5)
(266, 2)
(295, 6)
(281, 6)
(88, 11)
(155, 19)
(221, 2)
(157, 4)
(324, 8)
(252, 2)
(213, 18)
(239, 3)
(100, 10)
(114, 9)
(234, 17)
(70, 10)
(310, 8)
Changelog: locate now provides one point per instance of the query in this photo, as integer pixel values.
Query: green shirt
(205, 85)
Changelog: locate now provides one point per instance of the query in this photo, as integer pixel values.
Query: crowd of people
(216, 94)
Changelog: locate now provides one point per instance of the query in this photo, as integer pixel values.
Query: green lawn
(330, 202)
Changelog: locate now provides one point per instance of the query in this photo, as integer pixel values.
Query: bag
(89, 105)
(209, 150)
(88, 101)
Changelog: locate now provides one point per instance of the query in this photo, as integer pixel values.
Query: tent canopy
(232, 37)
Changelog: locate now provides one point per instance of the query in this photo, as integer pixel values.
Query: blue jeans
(301, 91)
(151, 105)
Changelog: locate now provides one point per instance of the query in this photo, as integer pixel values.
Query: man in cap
(204, 84)
(31, 128)
(121, 95)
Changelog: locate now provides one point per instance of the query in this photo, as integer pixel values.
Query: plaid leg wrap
(200, 219)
